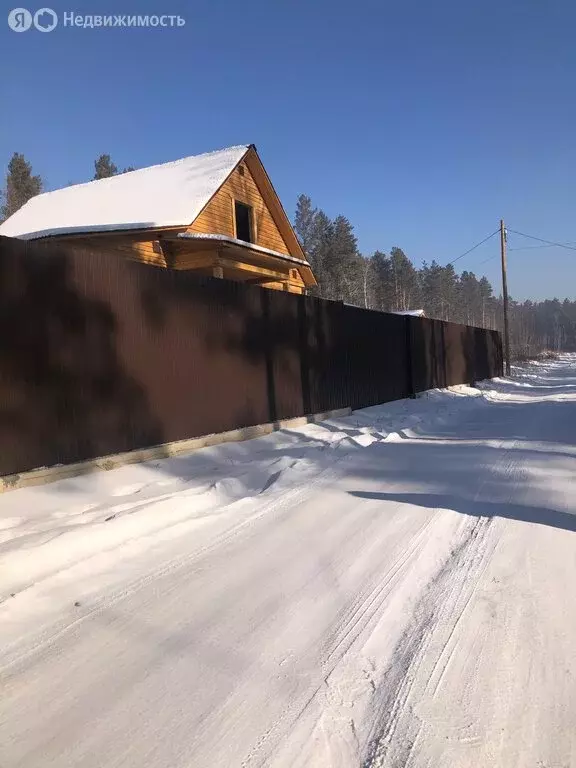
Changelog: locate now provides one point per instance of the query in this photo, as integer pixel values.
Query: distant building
(217, 214)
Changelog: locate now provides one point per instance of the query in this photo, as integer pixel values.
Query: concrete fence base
(44, 475)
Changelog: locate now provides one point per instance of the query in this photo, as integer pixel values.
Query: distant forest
(383, 281)
(390, 282)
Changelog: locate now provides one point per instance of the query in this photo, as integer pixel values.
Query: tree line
(384, 281)
(389, 282)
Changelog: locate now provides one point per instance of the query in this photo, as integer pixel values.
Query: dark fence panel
(377, 367)
(280, 328)
(445, 354)
(325, 365)
(428, 359)
(488, 356)
(100, 355)
(458, 347)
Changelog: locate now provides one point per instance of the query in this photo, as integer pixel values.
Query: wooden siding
(218, 215)
(194, 259)
(136, 247)
(140, 247)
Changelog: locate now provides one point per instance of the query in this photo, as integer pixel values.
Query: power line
(533, 247)
(547, 244)
(496, 256)
(541, 240)
(473, 248)
(530, 247)
(521, 248)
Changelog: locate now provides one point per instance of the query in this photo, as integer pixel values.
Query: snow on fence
(101, 355)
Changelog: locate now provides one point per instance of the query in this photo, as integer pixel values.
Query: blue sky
(423, 122)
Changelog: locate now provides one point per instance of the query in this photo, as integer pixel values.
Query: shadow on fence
(101, 355)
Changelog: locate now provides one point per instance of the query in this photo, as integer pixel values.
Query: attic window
(243, 216)
(241, 170)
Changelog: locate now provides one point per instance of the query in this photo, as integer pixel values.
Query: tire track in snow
(348, 626)
(417, 658)
(394, 726)
(445, 600)
(359, 615)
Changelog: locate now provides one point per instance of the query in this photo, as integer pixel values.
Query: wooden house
(216, 213)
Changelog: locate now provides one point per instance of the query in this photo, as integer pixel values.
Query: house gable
(218, 215)
(249, 183)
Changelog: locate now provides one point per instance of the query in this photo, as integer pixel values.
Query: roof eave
(303, 266)
(72, 232)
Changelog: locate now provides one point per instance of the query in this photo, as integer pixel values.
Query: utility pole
(505, 298)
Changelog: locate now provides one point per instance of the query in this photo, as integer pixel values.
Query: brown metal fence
(100, 355)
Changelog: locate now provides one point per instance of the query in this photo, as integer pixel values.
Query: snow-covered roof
(410, 312)
(243, 243)
(171, 194)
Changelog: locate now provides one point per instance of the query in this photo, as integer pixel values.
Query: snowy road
(391, 589)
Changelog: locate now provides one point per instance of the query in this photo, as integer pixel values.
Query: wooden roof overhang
(236, 256)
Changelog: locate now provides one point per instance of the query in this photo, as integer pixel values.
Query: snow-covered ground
(395, 588)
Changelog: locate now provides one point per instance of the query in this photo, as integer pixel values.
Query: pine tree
(21, 185)
(383, 284)
(344, 261)
(321, 236)
(431, 279)
(304, 224)
(355, 280)
(468, 301)
(405, 282)
(439, 291)
(104, 167)
(449, 292)
(487, 302)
